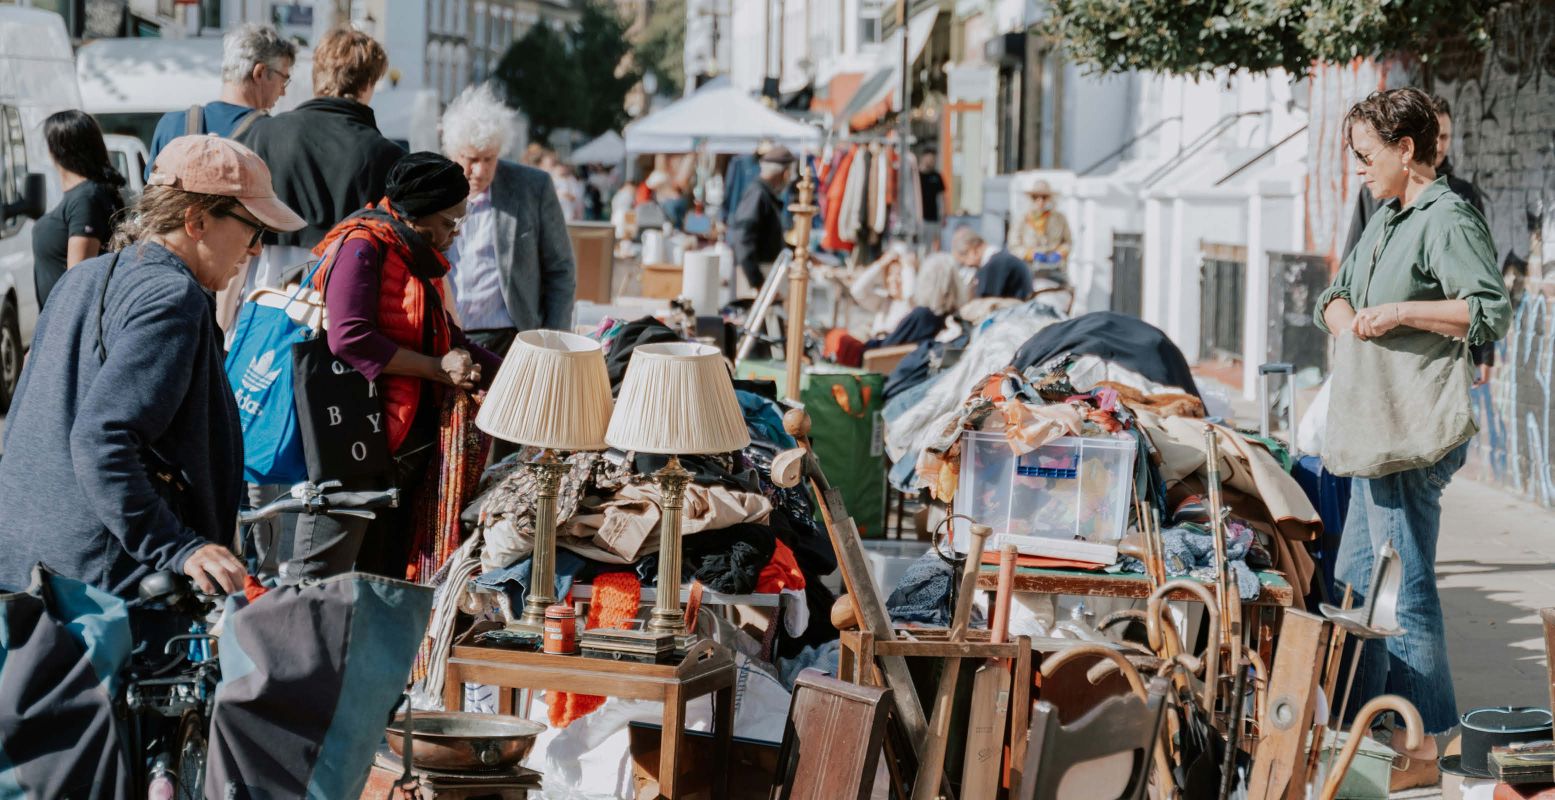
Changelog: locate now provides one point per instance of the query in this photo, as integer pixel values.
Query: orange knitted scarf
(617, 596)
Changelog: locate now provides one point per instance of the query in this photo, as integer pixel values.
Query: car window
(121, 164)
(13, 164)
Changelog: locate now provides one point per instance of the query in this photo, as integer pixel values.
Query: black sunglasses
(259, 229)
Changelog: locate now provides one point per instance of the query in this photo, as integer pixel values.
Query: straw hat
(1040, 189)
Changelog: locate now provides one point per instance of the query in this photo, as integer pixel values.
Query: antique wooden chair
(831, 745)
(1104, 755)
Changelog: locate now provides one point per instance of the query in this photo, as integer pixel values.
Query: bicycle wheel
(189, 758)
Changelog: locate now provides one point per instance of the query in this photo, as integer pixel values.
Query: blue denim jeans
(1406, 508)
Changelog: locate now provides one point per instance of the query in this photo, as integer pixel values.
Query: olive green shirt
(1438, 248)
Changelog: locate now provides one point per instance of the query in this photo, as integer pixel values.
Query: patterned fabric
(435, 531)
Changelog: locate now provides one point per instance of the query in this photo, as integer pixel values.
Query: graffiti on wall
(1503, 104)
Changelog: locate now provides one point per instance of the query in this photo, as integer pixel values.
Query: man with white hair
(512, 264)
(256, 67)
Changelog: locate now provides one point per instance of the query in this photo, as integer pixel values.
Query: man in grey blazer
(512, 263)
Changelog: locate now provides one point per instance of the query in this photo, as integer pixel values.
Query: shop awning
(876, 94)
(722, 119)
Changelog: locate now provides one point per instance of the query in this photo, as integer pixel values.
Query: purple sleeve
(488, 360)
(351, 299)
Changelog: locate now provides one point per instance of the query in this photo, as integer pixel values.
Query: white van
(37, 78)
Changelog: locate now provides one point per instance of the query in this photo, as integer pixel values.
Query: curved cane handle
(1211, 659)
(1413, 736)
(1052, 664)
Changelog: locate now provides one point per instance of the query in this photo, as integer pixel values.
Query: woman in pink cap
(123, 454)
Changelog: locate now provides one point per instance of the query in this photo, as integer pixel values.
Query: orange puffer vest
(402, 310)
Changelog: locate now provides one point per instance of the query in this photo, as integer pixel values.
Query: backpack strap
(102, 303)
(246, 123)
(194, 121)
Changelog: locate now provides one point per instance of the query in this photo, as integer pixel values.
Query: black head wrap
(426, 183)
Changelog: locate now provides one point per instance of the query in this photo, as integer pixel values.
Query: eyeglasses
(286, 78)
(259, 229)
(457, 223)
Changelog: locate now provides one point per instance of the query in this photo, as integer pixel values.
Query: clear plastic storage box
(1073, 488)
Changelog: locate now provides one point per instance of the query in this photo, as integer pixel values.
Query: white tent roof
(724, 119)
(608, 148)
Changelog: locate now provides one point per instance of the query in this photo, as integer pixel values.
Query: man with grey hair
(999, 272)
(513, 268)
(256, 67)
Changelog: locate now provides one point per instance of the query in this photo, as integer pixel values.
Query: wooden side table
(707, 669)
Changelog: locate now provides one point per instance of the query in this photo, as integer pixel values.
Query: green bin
(846, 429)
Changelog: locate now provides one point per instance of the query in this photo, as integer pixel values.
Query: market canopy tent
(723, 119)
(609, 148)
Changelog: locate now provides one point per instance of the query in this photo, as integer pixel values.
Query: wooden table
(1276, 591)
(708, 669)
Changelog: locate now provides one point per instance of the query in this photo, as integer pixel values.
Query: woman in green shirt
(1420, 286)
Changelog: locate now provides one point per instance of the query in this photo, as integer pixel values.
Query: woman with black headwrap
(383, 291)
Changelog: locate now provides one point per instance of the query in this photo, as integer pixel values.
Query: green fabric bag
(847, 430)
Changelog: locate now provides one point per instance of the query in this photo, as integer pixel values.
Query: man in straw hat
(1043, 238)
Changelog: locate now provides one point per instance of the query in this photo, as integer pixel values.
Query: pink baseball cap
(213, 165)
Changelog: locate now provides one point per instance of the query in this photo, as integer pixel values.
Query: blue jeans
(1406, 508)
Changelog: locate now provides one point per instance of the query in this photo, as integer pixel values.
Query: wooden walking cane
(980, 775)
(931, 767)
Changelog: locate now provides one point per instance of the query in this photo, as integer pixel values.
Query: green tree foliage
(576, 78)
(1198, 37)
(663, 45)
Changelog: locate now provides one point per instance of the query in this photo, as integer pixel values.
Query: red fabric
(831, 239)
(253, 589)
(401, 314)
(842, 348)
(782, 572)
(617, 596)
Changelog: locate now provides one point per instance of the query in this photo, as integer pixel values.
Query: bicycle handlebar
(359, 504)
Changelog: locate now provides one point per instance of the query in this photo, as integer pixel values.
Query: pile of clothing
(858, 195)
(742, 533)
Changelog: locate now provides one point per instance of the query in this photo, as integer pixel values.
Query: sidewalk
(1494, 572)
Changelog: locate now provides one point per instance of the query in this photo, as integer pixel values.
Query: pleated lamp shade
(552, 392)
(677, 399)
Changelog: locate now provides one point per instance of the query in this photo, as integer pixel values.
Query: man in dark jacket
(756, 230)
(1366, 205)
(328, 158)
(999, 272)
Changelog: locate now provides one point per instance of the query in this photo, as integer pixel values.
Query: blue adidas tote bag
(259, 368)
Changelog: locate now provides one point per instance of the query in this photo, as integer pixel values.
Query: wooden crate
(661, 281)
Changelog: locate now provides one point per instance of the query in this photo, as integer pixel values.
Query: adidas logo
(258, 376)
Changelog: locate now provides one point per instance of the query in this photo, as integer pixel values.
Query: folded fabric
(1028, 427)
(513, 580)
(623, 529)
(925, 592)
(731, 560)
(763, 419)
(1189, 550)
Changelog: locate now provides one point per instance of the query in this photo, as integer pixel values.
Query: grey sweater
(74, 490)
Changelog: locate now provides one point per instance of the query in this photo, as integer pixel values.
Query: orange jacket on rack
(404, 314)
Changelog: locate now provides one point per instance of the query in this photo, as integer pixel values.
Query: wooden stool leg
(670, 735)
(723, 732)
(453, 688)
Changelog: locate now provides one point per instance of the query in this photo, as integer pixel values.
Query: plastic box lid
(1073, 488)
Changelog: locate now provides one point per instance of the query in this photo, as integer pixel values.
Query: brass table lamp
(553, 393)
(677, 399)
